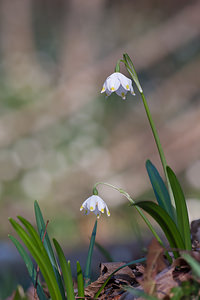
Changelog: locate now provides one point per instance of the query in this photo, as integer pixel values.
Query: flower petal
(103, 88)
(107, 211)
(132, 91)
(84, 205)
(86, 212)
(112, 82)
(101, 205)
(92, 203)
(97, 212)
(121, 92)
(108, 93)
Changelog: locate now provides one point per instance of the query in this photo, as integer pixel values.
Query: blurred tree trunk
(80, 39)
(17, 42)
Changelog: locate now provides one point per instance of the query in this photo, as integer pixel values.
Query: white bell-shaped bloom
(118, 83)
(96, 205)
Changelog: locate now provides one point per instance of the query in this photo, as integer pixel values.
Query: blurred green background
(58, 134)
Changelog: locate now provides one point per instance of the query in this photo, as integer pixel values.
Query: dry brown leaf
(196, 255)
(171, 277)
(164, 282)
(155, 263)
(195, 230)
(180, 265)
(125, 276)
(106, 270)
(31, 294)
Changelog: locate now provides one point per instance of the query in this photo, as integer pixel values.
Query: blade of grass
(33, 234)
(47, 244)
(166, 223)
(104, 252)
(193, 263)
(36, 238)
(29, 265)
(37, 250)
(80, 281)
(66, 271)
(89, 257)
(109, 277)
(19, 294)
(181, 209)
(139, 293)
(160, 190)
(130, 67)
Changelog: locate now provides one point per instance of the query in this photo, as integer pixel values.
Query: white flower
(118, 83)
(96, 205)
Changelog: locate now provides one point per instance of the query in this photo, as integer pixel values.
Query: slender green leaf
(33, 234)
(139, 293)
(37, 250)
(19, 294)
(104, 252)
(181, 209)
(89, 257)
(131, 69)
(36, 238)
(166, 223)
(193, 263)
(47, 244)
(140, 260)
(66, 271)
(29, 265)
(80, 280)
(160, 190)
(186, 290)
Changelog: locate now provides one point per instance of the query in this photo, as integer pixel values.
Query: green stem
(159, 146)
(137, 208)
(130, 68)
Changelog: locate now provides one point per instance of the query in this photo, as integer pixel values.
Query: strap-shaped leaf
(160, 190)
(104, 252)
(33, 234)
(80, 280)
(139, 293)
(37, 250)
(193, 263)
(181, 209)
(29, 265)
(66, 271)
(47, 244)
(166, 223)
(19, 294)
(89, 256)
(131, 69)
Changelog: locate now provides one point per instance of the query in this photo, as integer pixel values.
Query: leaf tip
(148, 162)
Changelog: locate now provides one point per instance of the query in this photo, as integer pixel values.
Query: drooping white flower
(96, 205)
(118, 83)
